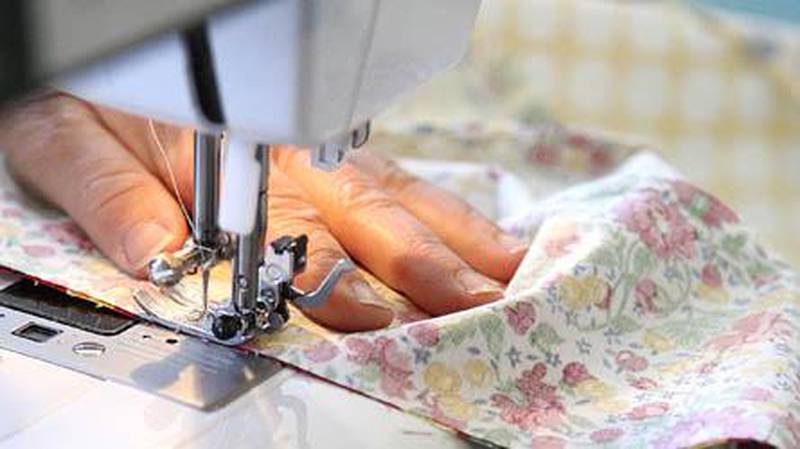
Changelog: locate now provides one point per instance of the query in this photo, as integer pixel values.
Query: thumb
(58, 149)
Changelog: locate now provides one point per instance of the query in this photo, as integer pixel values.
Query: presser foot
(172, 306)
(168, 269)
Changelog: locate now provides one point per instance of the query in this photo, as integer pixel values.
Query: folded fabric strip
(644, 315)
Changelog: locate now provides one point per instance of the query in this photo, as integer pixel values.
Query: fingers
(473, 237)
(163, 149)
(387, 239)
(353, 305)
(57, 147)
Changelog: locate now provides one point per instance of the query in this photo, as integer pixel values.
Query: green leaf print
(491, 327)
(545, 336)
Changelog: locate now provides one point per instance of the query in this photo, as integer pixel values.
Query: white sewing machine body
(289, 71)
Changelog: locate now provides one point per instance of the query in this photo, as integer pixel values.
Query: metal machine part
(49, 325)
(262, 275)
(332, 154)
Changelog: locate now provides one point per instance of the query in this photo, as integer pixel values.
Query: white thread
(172, 178)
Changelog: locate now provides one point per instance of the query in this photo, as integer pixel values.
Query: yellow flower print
(477, 372)
(576, 161)
(455, 407)
(97, 266)
(10, 230)
(777, 298)
(612, 405)
(714, 295)
(680, 366)
(594, 389)
(442, 379)
(656, 341)
(580, 292)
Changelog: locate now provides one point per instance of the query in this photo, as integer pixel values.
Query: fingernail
(144, 241)
(365, 295)
(478, 285)
(512, 244)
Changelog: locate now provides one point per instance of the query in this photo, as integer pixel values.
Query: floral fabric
(644, 315)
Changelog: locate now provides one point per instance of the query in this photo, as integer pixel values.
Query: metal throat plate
(43, 323)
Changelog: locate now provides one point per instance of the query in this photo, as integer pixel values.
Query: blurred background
(712, 85)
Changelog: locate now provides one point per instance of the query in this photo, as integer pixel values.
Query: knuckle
(418, 254)
(397, 179)
(467, 213)
(106, 189)
(424, 245)
(357, 193)
(323, 257)
(37, 122)
(66, 109)
(288, 215)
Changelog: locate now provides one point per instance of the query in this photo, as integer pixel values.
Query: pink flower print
(578, 140)
(710, 210)
(707, 368)
(394, 364)
(321, 352)
(395, 367)
(711, 276)
(606, 435)
(659, 224)
(359, 350)
(763, 278)
(12, 212)
(575, 373)
(752, 324)
(544, 154)
(643, 383)
(426, 334)
(645, 293)
(548, 442)
(529, 415)
(540, 407)
(628, 360)
(746, 329)
(561, 239)
(649, 410)
(521, 317)
(38, 250)
(601, 160)
(68, 233)
(790, 423)
(756, 394)
(560, 246)
(531, 381)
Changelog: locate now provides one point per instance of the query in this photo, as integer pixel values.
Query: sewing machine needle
(206, 276)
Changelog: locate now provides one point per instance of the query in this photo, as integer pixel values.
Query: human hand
(105, 169)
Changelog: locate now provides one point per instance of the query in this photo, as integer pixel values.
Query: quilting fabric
(716, 93)
(644, 315)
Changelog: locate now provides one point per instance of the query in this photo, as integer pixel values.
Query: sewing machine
(310, 73)
(244, 74)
